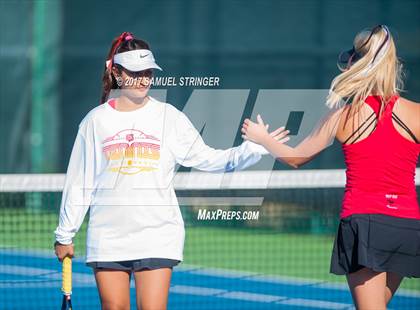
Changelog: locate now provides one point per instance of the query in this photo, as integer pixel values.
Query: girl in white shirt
(121, 169)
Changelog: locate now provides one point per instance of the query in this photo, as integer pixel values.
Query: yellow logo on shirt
(131, 151)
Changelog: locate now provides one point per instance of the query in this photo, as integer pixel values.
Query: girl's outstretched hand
(257, 132)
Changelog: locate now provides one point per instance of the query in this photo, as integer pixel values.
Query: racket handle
(66, 288)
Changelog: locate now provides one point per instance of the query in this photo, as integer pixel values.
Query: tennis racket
(66, 287)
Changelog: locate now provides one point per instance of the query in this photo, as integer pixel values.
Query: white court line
(228, 273)
(232, 274)
(286, 280)
(195, 290)
(262, 298)
(53, 280)
(45, 273)
(45, 277)
(315, 303)
(343, 287)
(246, 275)
(283, 280)
(251, 296)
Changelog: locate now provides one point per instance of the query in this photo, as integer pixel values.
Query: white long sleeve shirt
(122, 167)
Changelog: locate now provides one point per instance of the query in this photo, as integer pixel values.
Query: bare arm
(409, 112)
(320, 138)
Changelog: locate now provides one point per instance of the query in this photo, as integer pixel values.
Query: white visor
(136, 60)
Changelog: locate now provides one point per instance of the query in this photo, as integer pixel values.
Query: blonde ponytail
(377, 72)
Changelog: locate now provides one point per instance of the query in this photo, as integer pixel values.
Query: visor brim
(345, 56)
(141, 67)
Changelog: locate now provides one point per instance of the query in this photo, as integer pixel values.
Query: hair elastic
(123, 36)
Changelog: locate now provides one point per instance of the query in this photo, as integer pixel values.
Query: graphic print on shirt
(131, 151)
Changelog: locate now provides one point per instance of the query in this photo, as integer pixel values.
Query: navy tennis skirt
(379, 242)
(136, 265)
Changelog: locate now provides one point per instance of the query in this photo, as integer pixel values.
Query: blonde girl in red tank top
(378, 238)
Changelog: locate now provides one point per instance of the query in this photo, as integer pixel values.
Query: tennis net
(275, 255)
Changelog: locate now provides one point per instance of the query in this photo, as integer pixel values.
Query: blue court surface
(33, 280)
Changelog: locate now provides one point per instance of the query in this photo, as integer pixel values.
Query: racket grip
(66, 287)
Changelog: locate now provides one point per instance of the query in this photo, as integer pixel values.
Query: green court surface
(251, 249)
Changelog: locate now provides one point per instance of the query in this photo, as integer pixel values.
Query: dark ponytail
(123, 43)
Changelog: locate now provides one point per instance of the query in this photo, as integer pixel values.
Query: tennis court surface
(280, 261)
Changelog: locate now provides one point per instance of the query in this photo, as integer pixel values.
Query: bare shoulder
(409, 112)
(408, 109)
(344, 119)
(409, 104)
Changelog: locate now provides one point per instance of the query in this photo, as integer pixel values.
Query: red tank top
(381, 170)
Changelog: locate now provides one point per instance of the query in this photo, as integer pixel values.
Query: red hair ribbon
(123, 36)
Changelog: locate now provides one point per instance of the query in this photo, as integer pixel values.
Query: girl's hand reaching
(257, 132)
